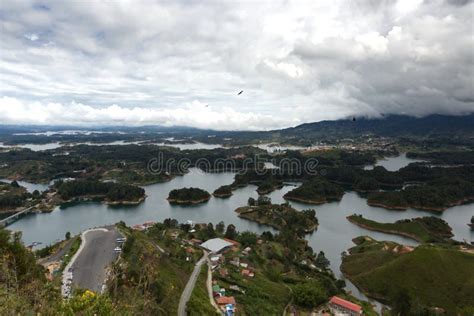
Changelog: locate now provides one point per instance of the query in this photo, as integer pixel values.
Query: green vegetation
(188, 196)
(110, 191)
(279, 216)
(12, 195)
(445, 157)
(434, 196)
(24, 289)
(199, 302)
(223, 191)
(316, 191)
(430, 275)
(145, 281)
(74, 248)
(423, 229)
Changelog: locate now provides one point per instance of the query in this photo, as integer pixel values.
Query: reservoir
(333, 236)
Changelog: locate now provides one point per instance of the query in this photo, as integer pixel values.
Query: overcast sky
(183, 62)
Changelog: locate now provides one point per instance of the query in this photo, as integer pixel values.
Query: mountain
(393, 125)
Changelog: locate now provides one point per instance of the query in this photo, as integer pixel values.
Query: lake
(333, 236)
(393, 163)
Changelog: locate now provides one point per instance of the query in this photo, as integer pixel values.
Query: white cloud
(297, 61)
(194, 114)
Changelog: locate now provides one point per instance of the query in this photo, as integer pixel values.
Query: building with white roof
(216, 245)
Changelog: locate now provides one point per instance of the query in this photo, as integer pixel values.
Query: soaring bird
(241, 91)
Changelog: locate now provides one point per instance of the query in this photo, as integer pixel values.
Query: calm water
(394, 163)
(334, 234)
(30, 187)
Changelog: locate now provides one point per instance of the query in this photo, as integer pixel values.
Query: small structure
(339, 306)
(224, 300)
(216, 245)
(247, 273)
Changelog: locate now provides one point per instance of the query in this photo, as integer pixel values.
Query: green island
(424, 280)
(109, 192)
(188, 196)
(423, 229)
(316, 191)
(437, 195)
(277, 216)
(223, 191)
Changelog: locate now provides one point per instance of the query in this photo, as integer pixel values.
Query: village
(230, 265)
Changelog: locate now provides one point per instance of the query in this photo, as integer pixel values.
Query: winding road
(188, 289)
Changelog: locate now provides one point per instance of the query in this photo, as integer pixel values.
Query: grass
(432, 275)
(74, 248)
(418, 229)
(199, 302)
(150, 281)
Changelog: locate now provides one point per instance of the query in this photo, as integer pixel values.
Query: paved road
(188, 289)
(96, 253)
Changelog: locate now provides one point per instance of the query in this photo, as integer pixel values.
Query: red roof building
(340, 306)
(224, 300)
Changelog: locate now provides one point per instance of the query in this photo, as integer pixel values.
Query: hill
(413, 280)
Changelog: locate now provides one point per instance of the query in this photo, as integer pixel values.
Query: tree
(309, 294)
(15, 184)
(251, 201)
(247, 239)
(68, 235)
(220, 227)
(472, 220)
(210, 231)
(321, 261)
(264, 200)
(230, 233)
(401, 304)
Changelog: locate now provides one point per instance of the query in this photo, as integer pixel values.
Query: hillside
(413, 280)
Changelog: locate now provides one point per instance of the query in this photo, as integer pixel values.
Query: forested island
(223, 191)
(109, 192)
(423, 229)
(413, 281)
(436, 195)
(188, 196)
(277, 216)
(316, 191)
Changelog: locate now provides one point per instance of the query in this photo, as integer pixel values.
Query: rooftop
(346, 304)
(216, 244)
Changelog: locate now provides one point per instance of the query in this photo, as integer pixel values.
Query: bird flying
(241, 91)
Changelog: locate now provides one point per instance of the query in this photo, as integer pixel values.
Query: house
(195, 241)
(224, 300)
(247, 273)
(223, 272)
(216, 245)
(339, 306)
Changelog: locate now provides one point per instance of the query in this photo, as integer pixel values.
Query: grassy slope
(414, 229)
(151, 281)
(435, 276)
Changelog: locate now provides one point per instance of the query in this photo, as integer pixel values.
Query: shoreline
(422, 208)
(386, 231)
(188, 202)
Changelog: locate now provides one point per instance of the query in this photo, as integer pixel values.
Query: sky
(183, 62)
